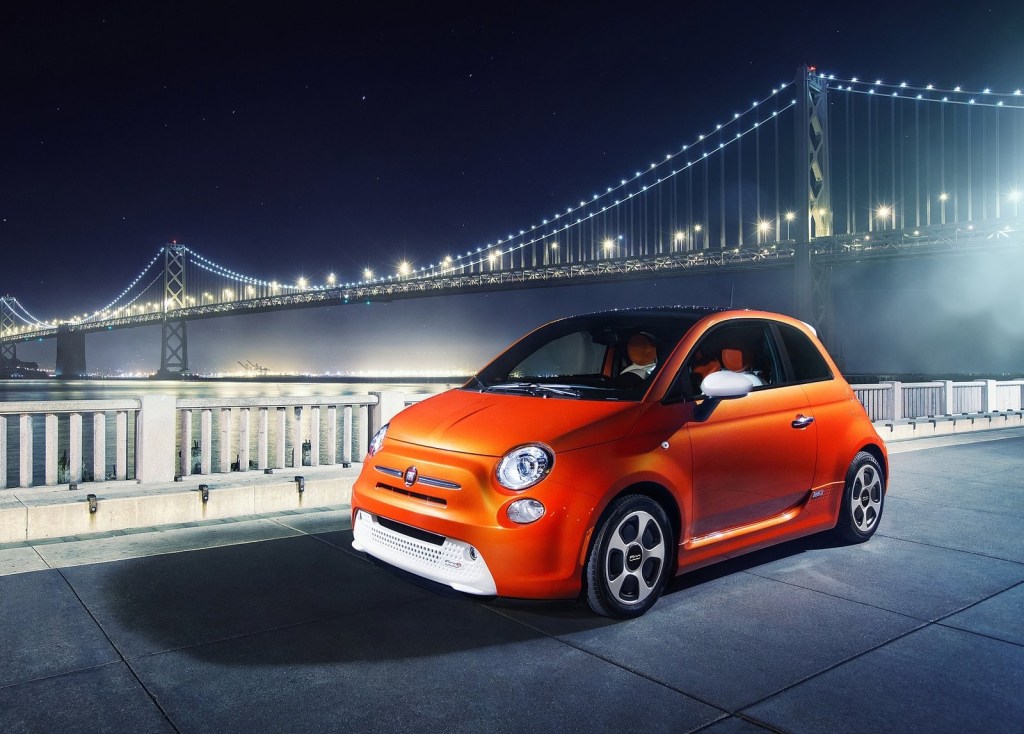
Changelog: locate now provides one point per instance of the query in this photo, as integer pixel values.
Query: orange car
(601, 454)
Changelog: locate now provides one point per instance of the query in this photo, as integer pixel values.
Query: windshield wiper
(478, 381)
(536, 388)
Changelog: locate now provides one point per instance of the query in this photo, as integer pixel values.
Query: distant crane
(251, 367)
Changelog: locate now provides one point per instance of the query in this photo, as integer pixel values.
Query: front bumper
(456, 503)
(435, 557)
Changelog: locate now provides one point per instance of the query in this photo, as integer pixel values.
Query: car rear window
(808, 364)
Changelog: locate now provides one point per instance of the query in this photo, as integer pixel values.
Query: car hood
(488, 424)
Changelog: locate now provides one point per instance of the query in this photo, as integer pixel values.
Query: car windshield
(612, 356)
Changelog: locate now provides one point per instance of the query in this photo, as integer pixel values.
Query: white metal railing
(893, 401)
(60, 425)
(155, 438)
(270, 433)
(132, 438)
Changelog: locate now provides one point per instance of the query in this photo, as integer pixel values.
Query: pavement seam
(834, 666)
(604, 659)
(942, 620)
(61, 674)
(997, 513)
(120, 654)
(958, 550)
(883, 609)
(837, 596)
(743, 717)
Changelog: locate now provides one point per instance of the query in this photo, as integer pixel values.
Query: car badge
(410, 476)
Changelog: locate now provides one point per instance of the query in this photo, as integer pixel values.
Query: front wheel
(863, 498)
(629, 559)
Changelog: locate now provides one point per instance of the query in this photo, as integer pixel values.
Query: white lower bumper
(453, 563)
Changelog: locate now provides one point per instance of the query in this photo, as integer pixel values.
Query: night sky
(299, 139)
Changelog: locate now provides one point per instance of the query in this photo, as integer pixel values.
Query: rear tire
(630, 558)
(863, 499)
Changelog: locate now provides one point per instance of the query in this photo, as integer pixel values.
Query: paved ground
(274, 624)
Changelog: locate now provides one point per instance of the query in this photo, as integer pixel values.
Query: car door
(753, 457)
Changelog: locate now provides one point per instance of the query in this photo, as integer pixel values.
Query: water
(31, 390)
(17, 390)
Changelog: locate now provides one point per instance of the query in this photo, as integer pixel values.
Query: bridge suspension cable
(19, 312)
(871, 158)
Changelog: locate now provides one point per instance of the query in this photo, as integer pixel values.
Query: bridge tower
(8, 352)
(174, 337)
(812, 281)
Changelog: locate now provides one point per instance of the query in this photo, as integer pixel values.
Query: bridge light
(885, 212)
(404, 268)
(302, 283)
(228, 293)
(331, 279)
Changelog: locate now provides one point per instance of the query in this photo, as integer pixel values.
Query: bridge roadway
(273, 623)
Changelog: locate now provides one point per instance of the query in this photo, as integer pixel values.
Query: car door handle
(802, 421)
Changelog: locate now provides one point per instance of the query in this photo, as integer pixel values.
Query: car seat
(736, 359)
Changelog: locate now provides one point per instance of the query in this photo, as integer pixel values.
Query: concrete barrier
(41, 513)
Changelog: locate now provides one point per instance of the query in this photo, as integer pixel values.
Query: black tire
(863, 500)
(630, 558)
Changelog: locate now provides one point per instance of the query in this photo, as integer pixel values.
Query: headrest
(706, 367)
(641, 349)
(735, 360)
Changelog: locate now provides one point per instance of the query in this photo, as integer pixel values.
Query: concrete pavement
(273, 623)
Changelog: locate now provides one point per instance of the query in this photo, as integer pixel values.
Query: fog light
(525, 511)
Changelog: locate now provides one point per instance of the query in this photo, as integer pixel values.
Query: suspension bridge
(812, 174)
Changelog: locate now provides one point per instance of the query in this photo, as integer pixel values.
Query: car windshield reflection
(603, 357)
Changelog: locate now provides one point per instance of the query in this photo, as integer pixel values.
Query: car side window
(805, 360)
(746, 348)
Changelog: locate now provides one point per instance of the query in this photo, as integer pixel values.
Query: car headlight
(524, 466)
(377, 441)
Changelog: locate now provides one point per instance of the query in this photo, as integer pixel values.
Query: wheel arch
(656, 492)
(880, 457)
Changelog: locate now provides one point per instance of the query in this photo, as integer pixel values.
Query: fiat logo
(410, 476)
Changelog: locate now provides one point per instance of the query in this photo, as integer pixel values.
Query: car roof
(694, 311)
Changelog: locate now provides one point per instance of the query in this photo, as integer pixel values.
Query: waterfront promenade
(273, 623)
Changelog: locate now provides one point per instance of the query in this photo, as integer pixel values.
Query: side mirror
(725, 384)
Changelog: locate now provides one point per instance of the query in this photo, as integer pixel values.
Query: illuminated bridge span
(815, 172)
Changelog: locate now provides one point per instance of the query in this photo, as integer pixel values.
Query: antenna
(732, 292)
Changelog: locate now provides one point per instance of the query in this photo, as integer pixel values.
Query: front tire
(863, 499)
(629, 559)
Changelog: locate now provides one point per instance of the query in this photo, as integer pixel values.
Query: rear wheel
(863, 499)
(629, 559)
